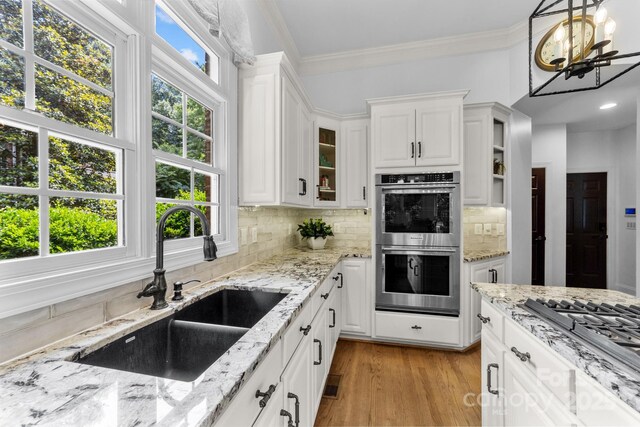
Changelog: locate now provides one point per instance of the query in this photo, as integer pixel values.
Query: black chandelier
(579, 48)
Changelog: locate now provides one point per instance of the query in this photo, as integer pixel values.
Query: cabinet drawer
(245, 407)
(597, 406)
(294, 334)
(415, 327)
(317, 300)
(495, 322)
(542, 362)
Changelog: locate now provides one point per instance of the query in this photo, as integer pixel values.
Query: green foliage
(18, 233)
(178, 224)
(314, 228)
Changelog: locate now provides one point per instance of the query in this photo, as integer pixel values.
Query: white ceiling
(329, 26)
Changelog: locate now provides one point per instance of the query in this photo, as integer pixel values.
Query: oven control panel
(426, 178)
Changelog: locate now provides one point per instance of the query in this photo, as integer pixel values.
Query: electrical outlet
(631, 225)
(254, 234)
(487, 228)
(478, 229)
(500, 229)
(243, 235)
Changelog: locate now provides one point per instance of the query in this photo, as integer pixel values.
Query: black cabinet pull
(416, 327)
(364, 192)
(489, 366)
(494, 275)
(410, 263)
(334, 318)
(483, 319)
(304, 187)
(522, 356)
(324, 296)
(284, 413)
(265, 396)
(306, 330)
(419, 149)
(413, 150)
(319, 352)
(293, 396)
(341, 281)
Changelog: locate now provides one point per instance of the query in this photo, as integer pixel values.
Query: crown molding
(272, 13)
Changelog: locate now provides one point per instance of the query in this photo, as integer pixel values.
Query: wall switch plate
(500, 229)
(487, 228)
(254, 234)
(243, 235)
(631, 225)
(478, 229)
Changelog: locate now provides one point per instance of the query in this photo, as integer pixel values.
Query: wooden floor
(385, 385)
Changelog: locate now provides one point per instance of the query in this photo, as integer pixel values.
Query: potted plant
(315, 232)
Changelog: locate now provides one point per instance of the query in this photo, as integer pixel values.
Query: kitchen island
(47, 388)
(525, 355)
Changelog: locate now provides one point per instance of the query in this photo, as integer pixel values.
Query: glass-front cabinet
(327, 162)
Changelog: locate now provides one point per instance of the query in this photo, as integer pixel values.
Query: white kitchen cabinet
(356, 161)
(270, 415)
(320, 366)
(328, 163)
(297, 383)
(417, 130)
(492, 390)
(486, 137)
(333, 320)
(275, 135)
(487, 271)
(356, 298)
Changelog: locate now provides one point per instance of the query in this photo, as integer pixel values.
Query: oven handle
(418, 251)
(415, 186)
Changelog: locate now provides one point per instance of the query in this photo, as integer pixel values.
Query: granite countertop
(619, 380)
(45, 388)
(479, 255)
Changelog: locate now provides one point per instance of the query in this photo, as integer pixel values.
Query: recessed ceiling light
(607, 106)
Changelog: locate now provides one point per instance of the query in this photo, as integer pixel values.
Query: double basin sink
(183, 345)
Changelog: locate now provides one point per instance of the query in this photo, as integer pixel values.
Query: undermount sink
(183, 345)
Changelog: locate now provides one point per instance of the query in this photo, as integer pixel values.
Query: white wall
(520, 199)
(612, 152)
(549, 150)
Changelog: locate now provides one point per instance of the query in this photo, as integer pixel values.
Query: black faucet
(158, 288)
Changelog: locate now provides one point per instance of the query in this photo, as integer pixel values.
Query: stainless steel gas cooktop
(612, 329)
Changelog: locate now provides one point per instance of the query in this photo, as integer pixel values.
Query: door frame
(546, 228)
(612, 221)
(548, 262)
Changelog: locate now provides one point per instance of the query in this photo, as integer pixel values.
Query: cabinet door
(393, 131)
(479, 274)
(476, 159)
(526, 404)
(298, 383)
(492, 370)
(332, 322)
(438, 134)
(291, 147)
(328, 162)
(356, 301)
(319, 355)
(304, 163)
(501, 270)
(270, 415)
(356, 164)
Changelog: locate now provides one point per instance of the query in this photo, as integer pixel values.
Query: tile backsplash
(275, 230)
(484, 229)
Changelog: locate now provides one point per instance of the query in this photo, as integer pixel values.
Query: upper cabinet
(275, 135)
(328, 162)
(423, 130)
(486, 136)
(356, 157)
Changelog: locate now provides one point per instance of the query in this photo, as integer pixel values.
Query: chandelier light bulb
(559, 34)
(609, 27)
(600, 16)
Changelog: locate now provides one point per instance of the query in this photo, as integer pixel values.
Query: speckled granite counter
(620, 381)
(473, 256)
(45, 388)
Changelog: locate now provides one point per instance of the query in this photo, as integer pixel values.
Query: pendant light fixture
(578, 48)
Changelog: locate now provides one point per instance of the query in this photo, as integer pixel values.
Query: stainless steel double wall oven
(418, 242)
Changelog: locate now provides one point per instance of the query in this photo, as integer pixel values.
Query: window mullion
(184, 125)
(29, 65)
(43, 178)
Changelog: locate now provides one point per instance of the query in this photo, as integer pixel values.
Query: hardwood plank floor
(385, 385)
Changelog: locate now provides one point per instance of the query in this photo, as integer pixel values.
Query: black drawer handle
(522, 356)
(306, 330)
(341, 281)
(489, 366)
(284, 413)
(265, 396)
(416, 327)
(325, 296)
(484, 319)
(334, 318)
(319, 352)
(294, 396)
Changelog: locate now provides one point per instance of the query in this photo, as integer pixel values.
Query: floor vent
(332, 385)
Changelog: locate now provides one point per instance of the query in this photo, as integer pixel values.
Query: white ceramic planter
(317, 242)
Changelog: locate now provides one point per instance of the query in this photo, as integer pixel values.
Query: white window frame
(133, 23)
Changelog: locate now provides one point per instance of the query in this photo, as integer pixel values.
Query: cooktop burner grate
(613, 329)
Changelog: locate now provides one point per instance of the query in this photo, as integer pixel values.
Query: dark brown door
(587, 230)
(537, 226)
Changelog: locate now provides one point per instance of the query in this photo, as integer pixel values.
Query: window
(61, 187)
(193, 51)
(182, 130)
